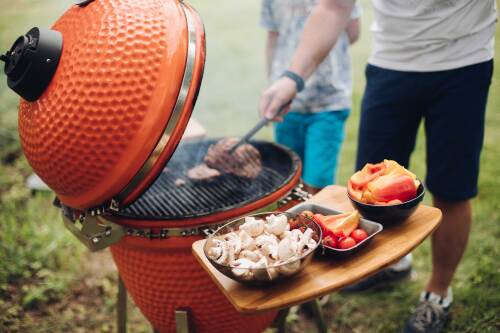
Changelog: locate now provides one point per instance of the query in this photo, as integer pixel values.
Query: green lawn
(48, 283)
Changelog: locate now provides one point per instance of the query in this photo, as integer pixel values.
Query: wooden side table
(322, 277)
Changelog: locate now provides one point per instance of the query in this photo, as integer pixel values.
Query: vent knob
(32, 61)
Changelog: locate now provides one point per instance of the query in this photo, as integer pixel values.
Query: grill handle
(263, 122)
(297, 195)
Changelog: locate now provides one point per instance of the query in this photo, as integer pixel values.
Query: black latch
(32, 61)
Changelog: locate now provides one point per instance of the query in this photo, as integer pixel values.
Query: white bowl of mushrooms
(263, 247)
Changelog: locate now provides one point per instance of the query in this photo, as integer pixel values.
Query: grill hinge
(96, 232)
(163, 233)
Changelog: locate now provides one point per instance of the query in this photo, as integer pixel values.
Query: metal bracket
(297, 194)
(95, 232)
(183, 320)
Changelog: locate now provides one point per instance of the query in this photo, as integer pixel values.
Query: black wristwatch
(299, 81)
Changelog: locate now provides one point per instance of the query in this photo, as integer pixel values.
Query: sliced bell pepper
(354, 193)
(343, 224)
(332, 220)
(369, 172)
(386, 182)
(392, 187)
(339, 225)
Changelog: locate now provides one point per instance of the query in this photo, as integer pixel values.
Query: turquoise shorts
(317, 139)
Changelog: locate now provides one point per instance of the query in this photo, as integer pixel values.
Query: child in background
(314, 127)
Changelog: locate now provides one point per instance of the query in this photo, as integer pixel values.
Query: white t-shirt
(432, 35)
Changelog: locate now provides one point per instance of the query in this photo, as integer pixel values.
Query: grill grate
(166, 201)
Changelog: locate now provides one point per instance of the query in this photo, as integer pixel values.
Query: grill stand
(317, 313)
(182, 315)
(182, 321)
(121, 307)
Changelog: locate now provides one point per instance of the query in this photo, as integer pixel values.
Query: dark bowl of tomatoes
(389, 214)
(338, 246)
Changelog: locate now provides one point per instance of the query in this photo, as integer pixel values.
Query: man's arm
(272, 40)
(322, 29)
(353, 29)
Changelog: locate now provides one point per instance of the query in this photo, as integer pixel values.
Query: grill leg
(182, 321)
(281, 320)
(121, 307)
(318, 316)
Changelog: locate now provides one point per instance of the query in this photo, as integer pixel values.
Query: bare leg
(448, 243)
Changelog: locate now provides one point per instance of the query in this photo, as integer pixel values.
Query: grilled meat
(245, 161)
(179, 182)
(202, 172)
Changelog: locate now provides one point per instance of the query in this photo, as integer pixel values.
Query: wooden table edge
(206, 268)
(246, 309)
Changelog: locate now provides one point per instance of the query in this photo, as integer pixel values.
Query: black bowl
(389, 214)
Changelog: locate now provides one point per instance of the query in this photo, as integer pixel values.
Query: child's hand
(279, 93)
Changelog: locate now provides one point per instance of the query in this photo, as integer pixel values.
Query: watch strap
(299, 81)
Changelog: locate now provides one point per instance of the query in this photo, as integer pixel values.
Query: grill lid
(99, 124)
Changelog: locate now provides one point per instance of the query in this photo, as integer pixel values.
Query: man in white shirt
(431, 60)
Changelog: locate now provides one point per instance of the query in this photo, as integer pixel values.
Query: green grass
(46, 284)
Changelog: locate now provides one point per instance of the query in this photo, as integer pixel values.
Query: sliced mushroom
(247, 242)
(242, 268)
(252, 226)
(277, 224)
(250, 255)
(291, 266)
(268, 245)
(233, 240)
(286, 249)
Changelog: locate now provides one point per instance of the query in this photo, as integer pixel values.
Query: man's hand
(279, 93)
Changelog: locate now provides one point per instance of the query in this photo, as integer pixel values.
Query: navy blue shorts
(451, 103)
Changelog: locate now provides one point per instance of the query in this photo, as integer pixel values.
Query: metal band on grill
(174, 118)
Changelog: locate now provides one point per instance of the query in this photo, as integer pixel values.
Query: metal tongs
(263, 122)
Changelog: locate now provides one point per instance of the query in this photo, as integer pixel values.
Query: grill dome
(117, 85)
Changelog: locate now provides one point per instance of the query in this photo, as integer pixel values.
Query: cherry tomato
(339, 233)
(359, 235)
(294, 223)
(330, 241)
(347, 243)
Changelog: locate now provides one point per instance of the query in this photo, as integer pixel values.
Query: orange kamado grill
(106, 95)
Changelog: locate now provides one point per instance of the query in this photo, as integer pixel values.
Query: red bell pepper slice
(369, 172)
(393, 187)
(340, 225)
